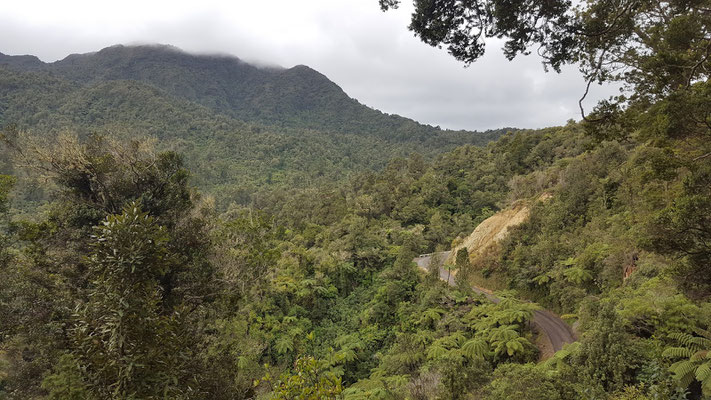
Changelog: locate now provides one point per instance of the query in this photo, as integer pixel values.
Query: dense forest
(132, 269)
(241, 128)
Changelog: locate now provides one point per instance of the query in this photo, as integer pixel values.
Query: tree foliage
(696, 360)
(126, 345)
(464, 26)
(308, 382)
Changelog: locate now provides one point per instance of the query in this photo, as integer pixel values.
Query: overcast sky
(370, 54)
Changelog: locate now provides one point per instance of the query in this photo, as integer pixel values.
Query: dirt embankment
(491, 231)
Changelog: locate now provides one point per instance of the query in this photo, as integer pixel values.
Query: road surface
(555, 329)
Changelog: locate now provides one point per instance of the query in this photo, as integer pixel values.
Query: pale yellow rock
(494, 229)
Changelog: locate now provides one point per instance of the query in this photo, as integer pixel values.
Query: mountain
(293, 97)
(240, 127)
(25, 62)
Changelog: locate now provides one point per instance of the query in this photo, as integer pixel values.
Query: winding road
(555, 329)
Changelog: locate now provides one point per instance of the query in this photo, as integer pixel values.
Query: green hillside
(317, 283)
(297, 97)
(241, 128)
(314, 276)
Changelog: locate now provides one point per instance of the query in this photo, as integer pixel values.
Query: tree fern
(577, 275)
(475, 348)
(284, 345)
(504, 333)
(515, 346)
(696, 363)
(542, 279)
(430, 316)
(516, 316)
(289, 319)
(452, 341)
(347, 355)
(423, 338)
(506, 340)
(436, 351)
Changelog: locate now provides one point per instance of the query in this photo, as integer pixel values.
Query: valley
(179, 225)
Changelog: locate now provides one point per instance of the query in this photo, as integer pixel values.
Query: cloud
(370, 54)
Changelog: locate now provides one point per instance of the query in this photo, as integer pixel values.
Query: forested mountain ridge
(292, 97)
(242, 128)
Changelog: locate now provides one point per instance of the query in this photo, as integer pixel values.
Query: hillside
(290, 97)
(241, 128)
(175, 226)
(319, 281)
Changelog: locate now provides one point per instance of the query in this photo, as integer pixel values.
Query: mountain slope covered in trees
(313, 290)
(297, 97)
(241, 128)
(127, 282)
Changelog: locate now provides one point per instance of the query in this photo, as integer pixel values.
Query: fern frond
(683, 372)
(677, 352)
(700, 355)
(423, 338)
(703, 372)
(514, 346)
(504, 333)
(435, 352)
(430, 316)
(683, 338)
(475, 348)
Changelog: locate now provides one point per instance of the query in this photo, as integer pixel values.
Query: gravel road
(557, 331)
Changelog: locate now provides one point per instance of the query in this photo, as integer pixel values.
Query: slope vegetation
(292, 97)
(241, 128)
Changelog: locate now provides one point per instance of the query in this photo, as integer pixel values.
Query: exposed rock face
(492, 230)
(630, 266)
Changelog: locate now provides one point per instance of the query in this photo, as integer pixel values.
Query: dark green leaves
(464, 25)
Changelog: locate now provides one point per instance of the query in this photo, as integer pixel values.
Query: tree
(98, 176)
(658, 50)
(683, 229)
(506, 340)
(631, 393)
(245, 250)
(521, 382)
(6, 184)
(399, 282)
(68, 382)
(126, 345)
(309, 381)
(607, 354)
(695, 352)
(433, 266)
(464, 268)
(55, 271)
(8, 289)
(449, 268)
